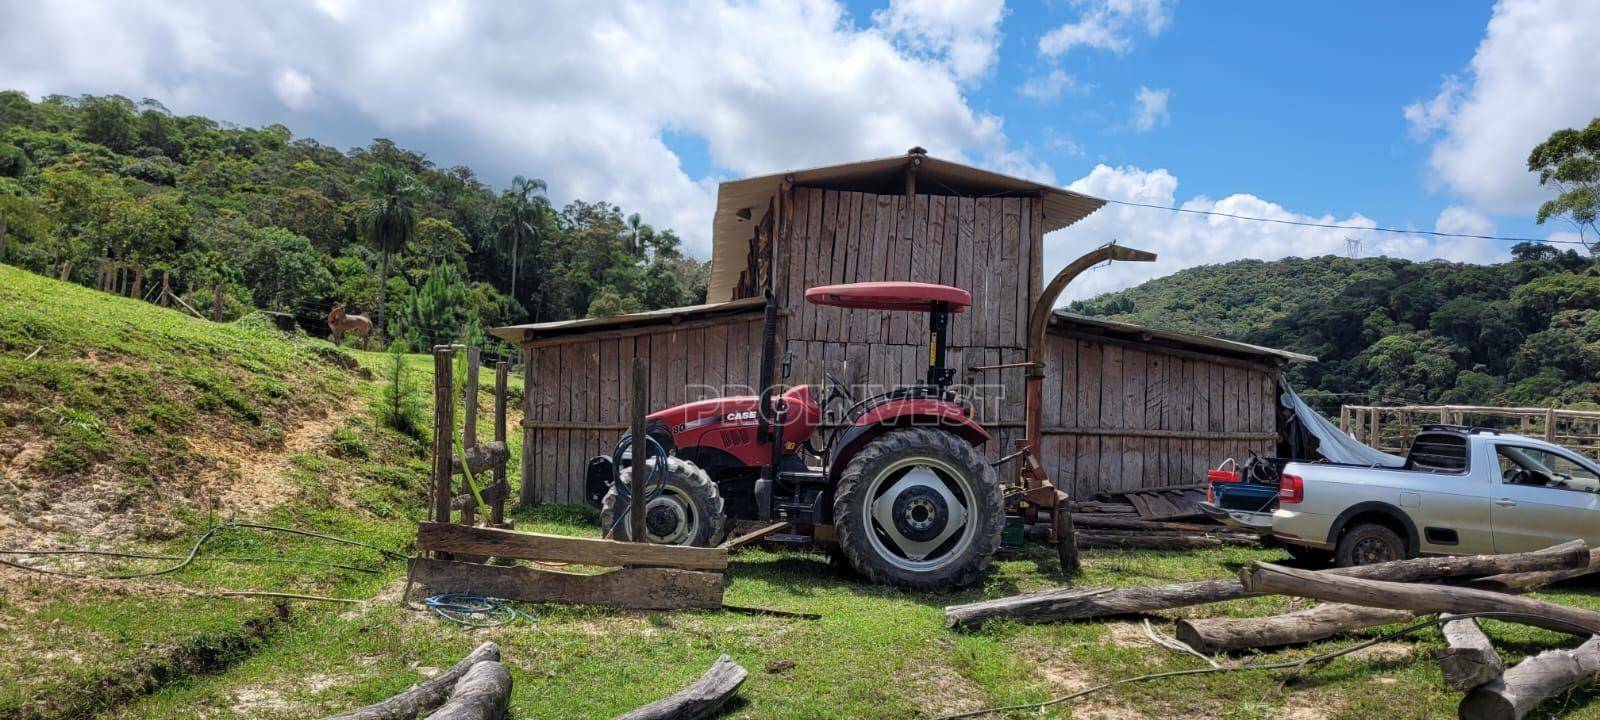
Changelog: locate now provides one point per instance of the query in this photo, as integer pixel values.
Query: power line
(1331, 226)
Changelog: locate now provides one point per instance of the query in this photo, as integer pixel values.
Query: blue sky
(1415, 115)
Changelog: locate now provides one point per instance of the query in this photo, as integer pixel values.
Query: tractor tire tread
(694, 483)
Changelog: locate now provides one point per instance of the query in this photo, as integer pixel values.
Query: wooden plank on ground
(637, 588)
(451, 537)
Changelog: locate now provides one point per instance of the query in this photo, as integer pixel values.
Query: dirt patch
(253, 481)
(945, 691)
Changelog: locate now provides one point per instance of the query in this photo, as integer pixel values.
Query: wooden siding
(1119, 414)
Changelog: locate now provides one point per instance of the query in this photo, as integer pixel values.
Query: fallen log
(1217, 635)
(1328, 587)
(701, 699)
(1078, 604)
(423, 696)
(1469, 660)
(1527, 581)
(1522, 687)
(481, 694)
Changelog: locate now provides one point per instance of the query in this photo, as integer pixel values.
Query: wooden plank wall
(988, 246)
(991, 247)
(582, 386)
(1093, 387)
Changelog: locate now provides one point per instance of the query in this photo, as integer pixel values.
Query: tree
(282, 269)
(1569, 161)
(437, 310)
(388, 220)
(640, 236)
(521, 211)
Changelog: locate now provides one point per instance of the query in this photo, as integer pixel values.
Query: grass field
(304, 447)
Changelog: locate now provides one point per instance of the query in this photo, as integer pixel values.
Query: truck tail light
(1291, 489)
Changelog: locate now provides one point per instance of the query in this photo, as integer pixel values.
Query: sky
(1412, 115)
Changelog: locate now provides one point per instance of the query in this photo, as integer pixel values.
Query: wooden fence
(1391, 429)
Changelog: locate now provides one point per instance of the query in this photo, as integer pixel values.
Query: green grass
(122, 388)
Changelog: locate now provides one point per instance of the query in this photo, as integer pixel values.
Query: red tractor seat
(914, 296)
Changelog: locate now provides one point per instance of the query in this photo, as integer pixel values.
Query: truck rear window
(1440, 452)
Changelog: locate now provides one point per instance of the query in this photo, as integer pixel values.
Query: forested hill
(1521, 332)
(288, 224)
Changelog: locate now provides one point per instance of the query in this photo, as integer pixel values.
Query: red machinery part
(910, 296)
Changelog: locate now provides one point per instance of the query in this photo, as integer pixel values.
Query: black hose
(194, 551)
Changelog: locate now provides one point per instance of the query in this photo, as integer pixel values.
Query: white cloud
(1458, 219)
(964, 33)
(1149, 108)
(581, 95)
(1051, 87)
(1183, 240)
(1533, 73)
(293, 88)
(1108, 25)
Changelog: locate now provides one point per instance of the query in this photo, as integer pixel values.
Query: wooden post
(166, 288)
(1375, 437)
(1344, 418)
(469, 433)
(443, 432)
(641, 400)
(138, 283)
(497, 508)
(1550, 425)
(216, 302)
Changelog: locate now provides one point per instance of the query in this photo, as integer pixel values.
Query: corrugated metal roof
(519, 333)
(730, 233)
(1203, 342)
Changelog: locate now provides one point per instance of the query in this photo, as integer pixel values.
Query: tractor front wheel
(919, 508)
(687, 511)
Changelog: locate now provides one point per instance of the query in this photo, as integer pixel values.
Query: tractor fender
(897, 414)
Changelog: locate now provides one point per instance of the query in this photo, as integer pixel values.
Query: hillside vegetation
(1524, 332)
(116, 194)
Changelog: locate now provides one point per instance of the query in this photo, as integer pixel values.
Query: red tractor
(902, 492)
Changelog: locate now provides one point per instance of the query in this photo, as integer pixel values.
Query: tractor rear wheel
(688, 511)
(919, 508)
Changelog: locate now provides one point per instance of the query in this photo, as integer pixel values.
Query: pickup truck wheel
(1369, 543)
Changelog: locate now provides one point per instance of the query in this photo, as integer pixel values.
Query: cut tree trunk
(700, 700)
(1078, 604)
(1526, 581)
(424, 696)
(1531, 681)
(1266, 577)
(1469, 660)
(1215, 635)
(481, 694)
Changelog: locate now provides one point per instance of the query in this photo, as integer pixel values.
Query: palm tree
(389, 219)
(639, 235)
(521, 209)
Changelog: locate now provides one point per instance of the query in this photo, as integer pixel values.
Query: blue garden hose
(658, 475)
(474, 610)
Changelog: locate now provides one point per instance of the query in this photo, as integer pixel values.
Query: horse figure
(340, 323)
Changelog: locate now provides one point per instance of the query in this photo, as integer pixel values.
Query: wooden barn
(1125, 407)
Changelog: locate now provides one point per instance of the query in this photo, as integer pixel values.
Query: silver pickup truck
(1461, 491)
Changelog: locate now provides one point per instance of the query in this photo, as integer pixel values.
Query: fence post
(216, 302)
(497, 507)
(1376, 436)
(1550, 425)
(443, 432)
(166, 288)
(469, 434)
(641, 377)
(1344, 418)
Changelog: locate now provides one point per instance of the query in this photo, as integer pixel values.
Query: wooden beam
(573, 425)
(1217, 635)
(657, 326)
(443, 433)
(425, 695)
(638, 588)
(702, 699)
(492, 542)
(1158, 433)
(755, 535)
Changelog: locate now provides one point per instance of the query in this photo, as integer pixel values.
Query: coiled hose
(658, 475)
